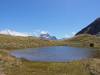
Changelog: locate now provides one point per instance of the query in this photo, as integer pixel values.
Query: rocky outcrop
(47, 36)
(93, 28)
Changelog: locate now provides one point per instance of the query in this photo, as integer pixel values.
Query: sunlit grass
(83, 41)
(12, 66)
(11, 42)
(46, 68)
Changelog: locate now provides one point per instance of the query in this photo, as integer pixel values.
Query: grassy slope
(12, 66)
(10, 42)
(83, 41)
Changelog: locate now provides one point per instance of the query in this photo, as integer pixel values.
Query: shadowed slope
(93, 28)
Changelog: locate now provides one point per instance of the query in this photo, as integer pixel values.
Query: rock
(47, 36)
(93, 28)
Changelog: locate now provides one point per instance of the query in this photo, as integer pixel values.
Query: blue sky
(58, 17)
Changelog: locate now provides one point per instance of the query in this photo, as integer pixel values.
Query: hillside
(93, 28)
(16, 42)
(13, 66)
(83, 40)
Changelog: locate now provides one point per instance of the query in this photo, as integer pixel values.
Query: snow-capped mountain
(47, 36)
(13, 33)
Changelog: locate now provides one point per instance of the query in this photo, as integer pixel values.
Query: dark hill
(93, 28)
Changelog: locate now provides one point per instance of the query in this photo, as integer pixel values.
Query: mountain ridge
(47, 36)
(93, 28)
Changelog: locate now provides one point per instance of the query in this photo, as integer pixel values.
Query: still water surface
(54, 54)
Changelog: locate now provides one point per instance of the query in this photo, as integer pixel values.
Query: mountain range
(45, 36)
(93, 29)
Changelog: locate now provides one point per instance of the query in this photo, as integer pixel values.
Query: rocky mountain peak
(47, 36)
(93, 28)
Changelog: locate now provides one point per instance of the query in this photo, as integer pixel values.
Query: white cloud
(73, 33)
(35, 33)
(43, 32)
(67, 36)
(70, 35)
(38, 32)
(14, 33)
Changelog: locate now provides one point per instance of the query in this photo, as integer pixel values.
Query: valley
(10, 65)
(13, 66)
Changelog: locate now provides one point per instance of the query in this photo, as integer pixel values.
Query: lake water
(54, 54)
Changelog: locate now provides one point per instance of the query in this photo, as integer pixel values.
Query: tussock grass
(83, 40)
(11, 42)
(13, 66)
(45, 68)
